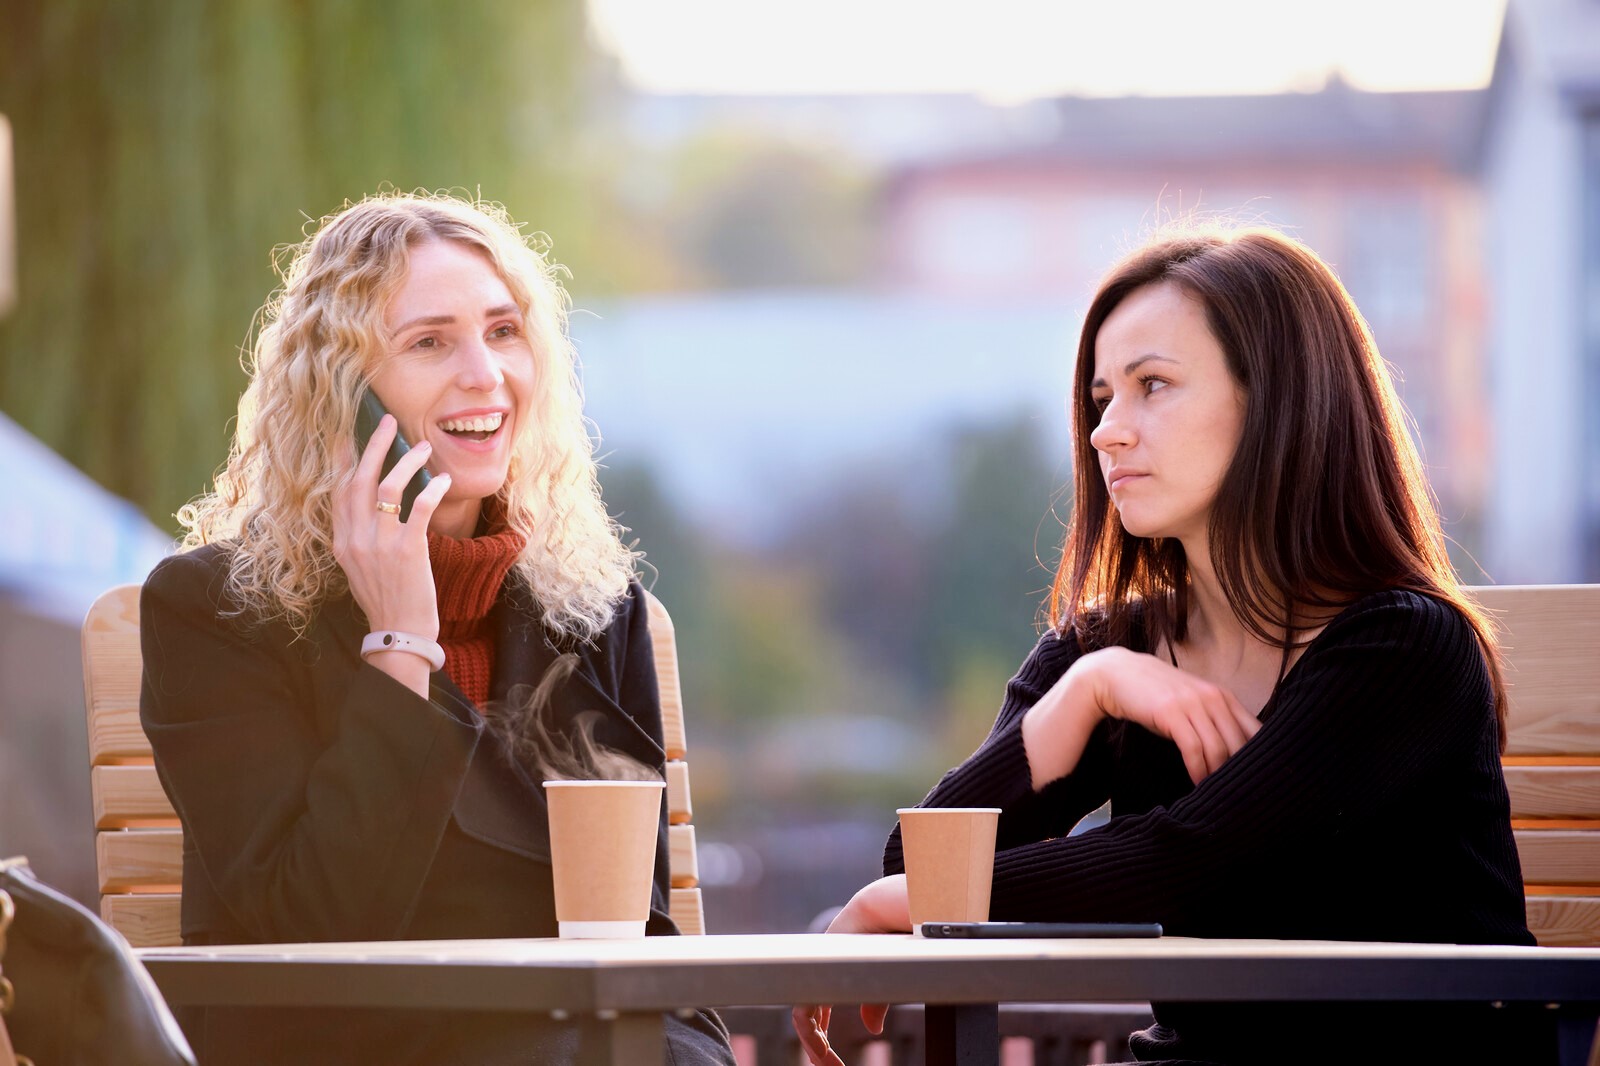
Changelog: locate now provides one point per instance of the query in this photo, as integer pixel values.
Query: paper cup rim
(948, 810)
(613, 784)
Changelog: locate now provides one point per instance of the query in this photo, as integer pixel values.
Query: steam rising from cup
(553, 754)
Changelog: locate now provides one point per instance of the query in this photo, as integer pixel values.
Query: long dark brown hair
(1324, 500)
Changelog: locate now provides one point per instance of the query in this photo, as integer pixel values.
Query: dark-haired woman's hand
(880, 907)
(1205, 720)
(384, 559)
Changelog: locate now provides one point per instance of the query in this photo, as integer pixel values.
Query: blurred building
(751, 405)
(1380, 184)
(1541, 174)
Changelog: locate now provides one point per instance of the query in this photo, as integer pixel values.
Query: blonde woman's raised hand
(385, 560)
(1206, 721)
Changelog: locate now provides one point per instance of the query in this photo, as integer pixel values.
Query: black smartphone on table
(369, 411)
(1037, 930)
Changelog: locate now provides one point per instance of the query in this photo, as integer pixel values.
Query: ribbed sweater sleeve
(997, 774)
(1393, 688)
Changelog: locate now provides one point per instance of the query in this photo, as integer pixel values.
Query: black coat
(322, 800)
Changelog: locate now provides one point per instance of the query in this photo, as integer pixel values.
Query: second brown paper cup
(949, 853)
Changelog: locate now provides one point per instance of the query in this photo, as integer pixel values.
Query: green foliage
(736, 209)
(972, 694)
(775, 216)
(908, 591)
(943, 559)
(993, 550)
(677, 568)
(753, 641)
(162, 150)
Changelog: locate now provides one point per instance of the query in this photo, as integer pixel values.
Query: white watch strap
(392, 640)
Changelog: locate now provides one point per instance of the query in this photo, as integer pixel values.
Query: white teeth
(480, 424)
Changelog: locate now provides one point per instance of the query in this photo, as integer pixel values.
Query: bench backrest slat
(1550, 637)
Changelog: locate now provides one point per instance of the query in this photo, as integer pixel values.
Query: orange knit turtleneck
(467, 574)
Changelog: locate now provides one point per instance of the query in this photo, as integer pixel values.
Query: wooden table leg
(964, 1035)
(612, 1038)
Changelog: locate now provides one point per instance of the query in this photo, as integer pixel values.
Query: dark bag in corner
(81, 997)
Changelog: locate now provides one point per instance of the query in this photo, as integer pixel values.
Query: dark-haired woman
(1259, 655)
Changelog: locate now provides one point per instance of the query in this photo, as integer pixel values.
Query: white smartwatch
(391, 640)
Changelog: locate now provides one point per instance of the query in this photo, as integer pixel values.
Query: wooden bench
(1551, 638)
(138, 841)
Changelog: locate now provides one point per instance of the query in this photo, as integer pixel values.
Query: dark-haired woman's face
(1171, 414)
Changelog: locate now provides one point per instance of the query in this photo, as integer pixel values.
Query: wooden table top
(662, 973)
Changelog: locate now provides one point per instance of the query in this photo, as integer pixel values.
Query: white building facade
(1541, 174)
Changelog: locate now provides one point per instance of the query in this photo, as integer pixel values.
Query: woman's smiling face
(459, 373)
(1171, 414)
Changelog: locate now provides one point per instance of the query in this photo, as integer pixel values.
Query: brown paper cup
(603, 850)
(949, 854)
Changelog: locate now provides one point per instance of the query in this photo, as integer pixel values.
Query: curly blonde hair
(318, 343)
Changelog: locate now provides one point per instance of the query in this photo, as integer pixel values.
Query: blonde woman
(319, 657)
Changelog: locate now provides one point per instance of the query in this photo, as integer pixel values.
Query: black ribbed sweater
(1369, 806)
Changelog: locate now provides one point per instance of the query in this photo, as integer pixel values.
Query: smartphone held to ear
(369, 411)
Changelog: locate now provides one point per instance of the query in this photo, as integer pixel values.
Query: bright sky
(1013, 49)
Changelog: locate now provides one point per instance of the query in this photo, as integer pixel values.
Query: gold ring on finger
(388, 508)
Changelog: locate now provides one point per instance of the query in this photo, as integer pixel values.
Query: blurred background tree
(765, 213)
(178, 143)
(164, 154)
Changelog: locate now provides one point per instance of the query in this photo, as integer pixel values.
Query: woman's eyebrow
(423, 320)
(1100, 383)
(445, 320)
